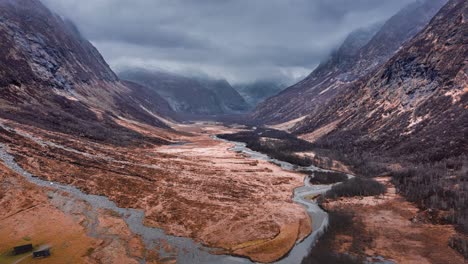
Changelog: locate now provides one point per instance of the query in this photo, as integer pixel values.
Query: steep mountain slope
(258, 91)
(190, 95)
(416, 104)
(50, 76)
(361, 53)
(231, 100)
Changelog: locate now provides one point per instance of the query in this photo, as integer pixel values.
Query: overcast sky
(239, 40)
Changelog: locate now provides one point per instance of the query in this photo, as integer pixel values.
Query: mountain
(361, 53)
(191, 96)
(231, 100)
(52, 77)
(414, 105)
(258, 91)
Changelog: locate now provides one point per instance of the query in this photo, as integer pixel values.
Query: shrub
(438, 186)
(460, 244)
(276, 144)
(90, 251)
(341, 222)
(322, 177)
(357, 186)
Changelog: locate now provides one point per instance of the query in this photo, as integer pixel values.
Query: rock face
(414, 103)
(189, 95)
(47, 50)
(231, 100)
(362, 52)
(50, 76)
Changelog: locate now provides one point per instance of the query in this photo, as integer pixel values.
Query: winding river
(188, 251)
(317, 214)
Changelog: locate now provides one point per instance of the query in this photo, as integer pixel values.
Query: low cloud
(240, 40)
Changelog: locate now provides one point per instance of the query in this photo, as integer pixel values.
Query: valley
(252, 210)
(212, 158)
(222, 199)
(392, 229)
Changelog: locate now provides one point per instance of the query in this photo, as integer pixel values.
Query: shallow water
(188, 251)
(319, 217)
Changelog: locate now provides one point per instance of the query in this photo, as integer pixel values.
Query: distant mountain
(191, 96)
(52, 77)
(231, 100)
(415, 104)
(361, 53)
(258, 91)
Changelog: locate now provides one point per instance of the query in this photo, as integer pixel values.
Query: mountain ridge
(54, 78)
(190, 96)
(414, 102)
(335, 74)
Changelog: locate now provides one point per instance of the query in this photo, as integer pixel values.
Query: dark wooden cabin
(41, 253)
(22, 249)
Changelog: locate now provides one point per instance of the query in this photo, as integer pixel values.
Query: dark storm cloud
(240, 40)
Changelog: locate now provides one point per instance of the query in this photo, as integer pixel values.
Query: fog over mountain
(186, 144)
(241, 41)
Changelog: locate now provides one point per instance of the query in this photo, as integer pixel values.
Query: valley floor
(395, 230)
(196, 187)
(47, 218)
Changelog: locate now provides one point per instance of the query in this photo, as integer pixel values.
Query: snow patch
(69, 94)
(413, 122)
(164, 120)
(417, 120)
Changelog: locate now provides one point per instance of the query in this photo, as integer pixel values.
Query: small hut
(22, 249)
(41, 253)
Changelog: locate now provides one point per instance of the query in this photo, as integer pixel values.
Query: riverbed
(317, 214)
(187, 250)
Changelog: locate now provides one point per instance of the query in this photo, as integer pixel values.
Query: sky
(237, 40)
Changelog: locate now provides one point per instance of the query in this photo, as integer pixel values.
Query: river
(188, 251)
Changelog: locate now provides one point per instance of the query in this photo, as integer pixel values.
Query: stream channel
(188, 251)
